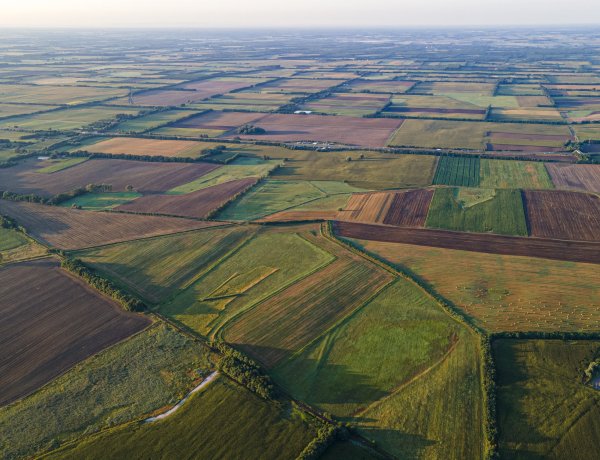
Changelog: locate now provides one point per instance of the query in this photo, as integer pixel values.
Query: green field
(16, 246)
(223, 420)
(514, 174)
(59, 164)
(147, 372)
(11, 239)
(461, 171)
(151, 121)
(398, 350)
(101, 201)
(182, 258)
(264, 265)
(478, 210)
(240, 168)
(544, 409)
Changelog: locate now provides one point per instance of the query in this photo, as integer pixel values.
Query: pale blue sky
(286, 13)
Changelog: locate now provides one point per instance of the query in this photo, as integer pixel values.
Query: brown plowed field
(368, 132)
(145, 177)
(197, 204)
(67, 228)
(50, 322)
(219, 120)
(527, 137)
(575, 177)
(562, 215)
(521, 148)
(576, 251)
(149, 147)
(405, 209)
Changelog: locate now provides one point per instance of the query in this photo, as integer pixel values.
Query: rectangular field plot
(513, 174)
(34, 94)
(249, 100)
(563, 215)
(257, 423)
(9, 110)
(380, 86)
(575, 177)
(286, 322)
(76, 229)
(367, 132)
(496, 290)
(252, 272)
(151, 121)
(534, 375)
(138, 376)
(216, 123)
(399, 346)
(51, 322)
(462, 171)
(478, 210)
(348, 104)
(143, 176)
(150, 147)
(297, 85)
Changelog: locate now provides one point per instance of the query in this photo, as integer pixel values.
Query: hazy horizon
(305, 14)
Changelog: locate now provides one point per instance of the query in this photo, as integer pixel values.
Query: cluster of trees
(90, 188)
(250, 129)
(326, 435)
(29, 197)
(127, 301)
(10, 223)
(244, 371)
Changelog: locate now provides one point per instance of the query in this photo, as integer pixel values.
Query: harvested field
(368, 132)
(351, 104)
(297, 85)
(199, 204)
(289, 320)
(563, 215)
(51, 321)
(381, 86)
(575, 177)
(495, 291)
(575, 251)
(75, 229)
(223, 121)
(405, 209)
(521, 148)
(463, 171)
(527, 137)
(449, 87)
(143, 176)
(150, 147)
(46, 94)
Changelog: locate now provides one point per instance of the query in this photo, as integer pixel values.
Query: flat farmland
(495, 291)
(575, 177)
(380, 86)
(526, 113)
(218, 121)
(100, 201)
(138, 376)
(46, 94)
(375, 172)
(199, 204)
(16, 246)
(76, 229)
(563, 215)
(264, 265)
(462, 171)
(349, 104)
(286, 322)
(574, 251)
(533, 375)
(51, 322)
(9, 110)
(143, 176)
(183, 258)
(368, 132)
(388, 352)
(478, 210)
(297, 85)
(405, 209)
(150, 147)
(250, 100)
(449, 87)
(513, 174)
(151, 121)
(66, 119)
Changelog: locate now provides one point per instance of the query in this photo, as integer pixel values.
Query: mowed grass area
(144, 374)
(261, 267)
(223, 420)
(462, 171)
(53, 165)
(544, 409)
(514, 174)
(241, 168)
(496, 292)
(16, 246)
(158, 268)
(101, 201)
(478, 210)
(392, 350)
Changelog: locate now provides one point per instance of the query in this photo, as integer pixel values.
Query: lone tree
(129, 188)
(250, 129)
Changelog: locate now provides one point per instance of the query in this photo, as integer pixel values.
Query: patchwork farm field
(575, 177)
(537, 374)
(462, 171)
(150, 147)
(15, 246)
(495, 290)
(75, 323)
(77, 229)
(140, 376)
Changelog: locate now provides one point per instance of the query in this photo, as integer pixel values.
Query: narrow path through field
(171, 411)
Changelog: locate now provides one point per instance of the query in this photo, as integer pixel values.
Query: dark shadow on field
(512, 397)
(406, 446)
(318, 383)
